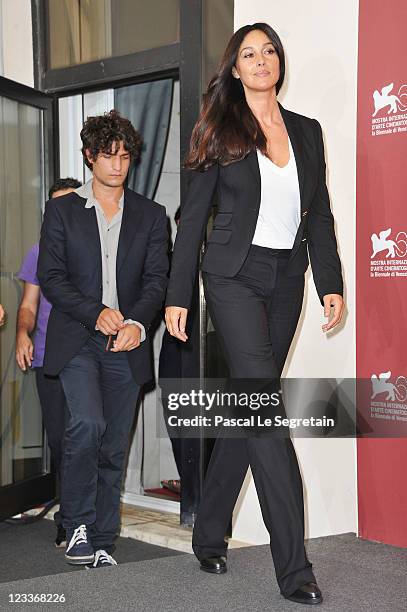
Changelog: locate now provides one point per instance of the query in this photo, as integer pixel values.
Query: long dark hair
(227, 130)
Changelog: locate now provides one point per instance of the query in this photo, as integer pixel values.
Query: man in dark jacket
(103, 266)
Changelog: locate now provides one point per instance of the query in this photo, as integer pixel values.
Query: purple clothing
(28, 273)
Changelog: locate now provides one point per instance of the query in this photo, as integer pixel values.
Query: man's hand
(110, 321)
(128, 338)
(2, 315)
(176, 320)
(24, 350)
(336, 301)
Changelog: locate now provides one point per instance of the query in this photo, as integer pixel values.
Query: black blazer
(237, 191)
(70, 274)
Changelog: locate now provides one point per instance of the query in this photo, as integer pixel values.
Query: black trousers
(255, 315)
(186, 450)
(101, 397)
(53, 408)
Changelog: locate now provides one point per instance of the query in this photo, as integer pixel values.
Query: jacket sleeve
(322, 246)
(53, 274)
(190, 235)
(155, 274)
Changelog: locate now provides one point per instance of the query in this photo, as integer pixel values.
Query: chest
(89, 240)
(109, 213)
(240, 183)
(279, 185)
(277, 145)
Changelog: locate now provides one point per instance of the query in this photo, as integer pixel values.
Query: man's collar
(86, 192)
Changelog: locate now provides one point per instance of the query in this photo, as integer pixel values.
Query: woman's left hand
(336, 301)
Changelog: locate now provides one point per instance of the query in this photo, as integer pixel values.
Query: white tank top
(280, 208)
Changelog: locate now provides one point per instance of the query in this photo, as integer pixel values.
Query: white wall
(320, 41)
(16, 47)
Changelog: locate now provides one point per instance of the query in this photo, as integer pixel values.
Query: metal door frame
(30, 492)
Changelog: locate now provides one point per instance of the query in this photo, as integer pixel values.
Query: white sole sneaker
(80, 560)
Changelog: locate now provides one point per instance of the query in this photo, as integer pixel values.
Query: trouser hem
(295, 580)
(202, 553)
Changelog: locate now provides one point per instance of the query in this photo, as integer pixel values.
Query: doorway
(153, 108)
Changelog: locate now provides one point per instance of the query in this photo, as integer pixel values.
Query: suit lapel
(255, 168)
(91, 230)
(131, 223)
(295, 134)
(296, 138)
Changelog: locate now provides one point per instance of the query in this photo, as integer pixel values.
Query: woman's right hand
(176, 320)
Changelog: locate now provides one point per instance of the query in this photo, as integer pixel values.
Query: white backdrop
(320, 41)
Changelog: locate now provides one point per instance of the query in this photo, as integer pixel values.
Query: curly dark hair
(63, 183)
(99, 133)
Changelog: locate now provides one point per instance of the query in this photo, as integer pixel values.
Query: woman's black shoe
(306, 594)
(214, 565)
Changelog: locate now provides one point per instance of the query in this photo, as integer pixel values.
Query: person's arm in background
(26, 317)
(2, 315)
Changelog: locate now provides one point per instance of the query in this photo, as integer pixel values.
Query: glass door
(26, 154)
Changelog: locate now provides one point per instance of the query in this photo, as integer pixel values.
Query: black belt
(280, 253)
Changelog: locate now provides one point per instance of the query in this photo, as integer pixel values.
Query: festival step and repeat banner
(381, 270)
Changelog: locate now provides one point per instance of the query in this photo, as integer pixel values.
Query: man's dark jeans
(101, 397)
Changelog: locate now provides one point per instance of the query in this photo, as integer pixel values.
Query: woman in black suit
(265, 166)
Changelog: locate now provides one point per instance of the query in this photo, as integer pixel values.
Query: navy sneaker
(79, 550)
(102, 559)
